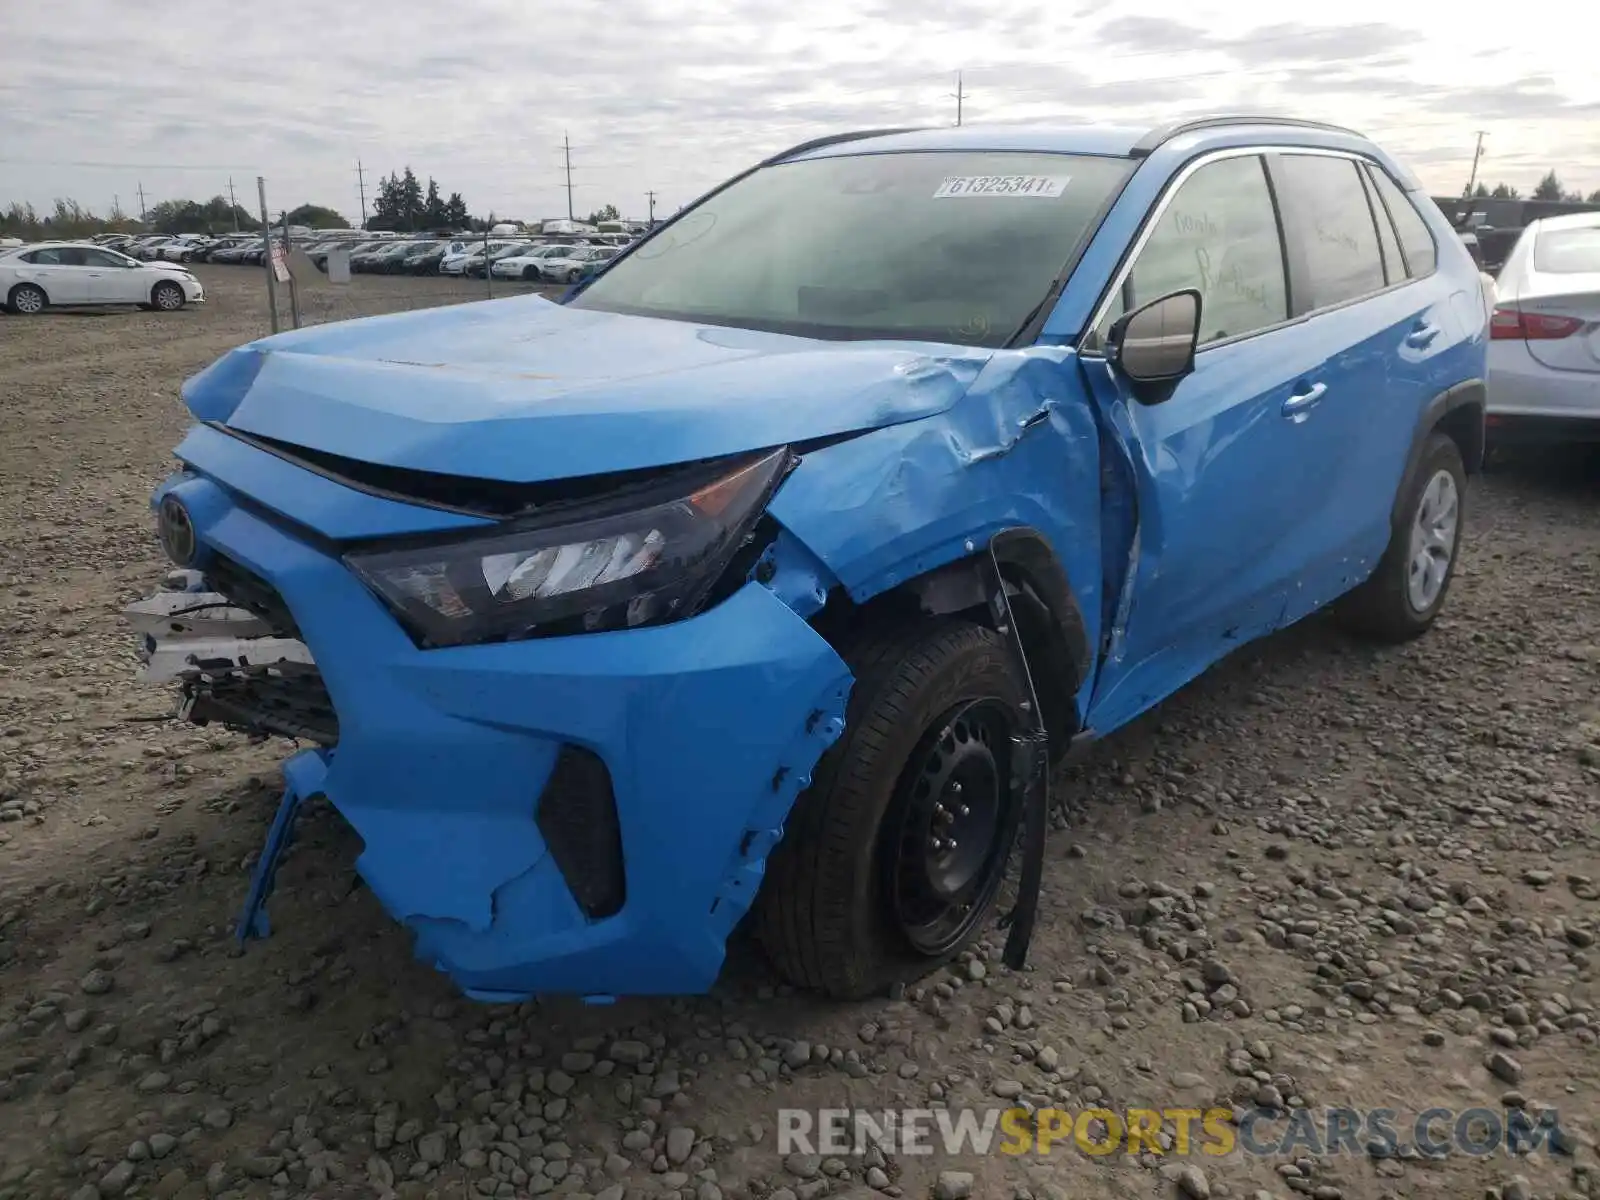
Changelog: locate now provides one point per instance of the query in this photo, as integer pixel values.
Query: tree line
(1549, 188)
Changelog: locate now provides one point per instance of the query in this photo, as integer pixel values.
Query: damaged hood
(524, 390)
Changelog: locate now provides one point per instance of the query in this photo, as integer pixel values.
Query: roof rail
(1153, 140)
(834, 139)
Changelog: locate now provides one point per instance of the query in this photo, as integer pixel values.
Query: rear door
(49, 268)
(1226, 468)
(1384, 332)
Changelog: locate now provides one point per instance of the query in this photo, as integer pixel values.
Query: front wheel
(167, 296)
(894, 858)
(530, 274)
(1406, 592)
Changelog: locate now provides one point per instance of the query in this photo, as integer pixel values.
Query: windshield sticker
(1041, 186)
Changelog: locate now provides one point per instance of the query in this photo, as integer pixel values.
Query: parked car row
(532, 260)
(560, 258)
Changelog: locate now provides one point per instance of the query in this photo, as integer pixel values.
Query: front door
(1227, 466)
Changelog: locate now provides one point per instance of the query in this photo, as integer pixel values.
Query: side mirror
(1154, 345)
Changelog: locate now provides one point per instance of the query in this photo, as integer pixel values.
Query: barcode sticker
(1039, 186)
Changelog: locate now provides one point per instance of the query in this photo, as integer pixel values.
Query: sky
(101, 97)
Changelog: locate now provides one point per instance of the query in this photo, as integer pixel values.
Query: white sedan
(33, 278)
(1544, 347)
(568, 267)
(527, 265)
(454, 261)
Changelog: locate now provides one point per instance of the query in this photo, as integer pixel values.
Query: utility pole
(233, 205)
(266, 252)
(141, 203)
(361, 185)
(1476, 155)
(959, 95)
(652, 198)
(566, 147)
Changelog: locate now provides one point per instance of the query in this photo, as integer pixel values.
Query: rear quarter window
(1416, 240)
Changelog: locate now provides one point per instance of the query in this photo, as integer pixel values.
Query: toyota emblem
(176, 531)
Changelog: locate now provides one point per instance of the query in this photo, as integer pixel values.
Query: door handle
(1422, 335)
(1302, 402)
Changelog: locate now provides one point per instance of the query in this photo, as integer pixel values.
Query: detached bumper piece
(229, 651)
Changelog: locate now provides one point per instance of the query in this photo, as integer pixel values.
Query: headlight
(635, 563)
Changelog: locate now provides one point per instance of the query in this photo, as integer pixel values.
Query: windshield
(1568, 251)
(938, 246)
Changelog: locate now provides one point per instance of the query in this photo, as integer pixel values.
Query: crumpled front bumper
(705, 731)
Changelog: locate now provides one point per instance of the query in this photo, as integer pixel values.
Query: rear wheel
(167, 296)
(27, 300)
(1406, 592)
(895, 857)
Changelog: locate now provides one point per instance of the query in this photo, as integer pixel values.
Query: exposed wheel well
(1052, 640)
(38, 287)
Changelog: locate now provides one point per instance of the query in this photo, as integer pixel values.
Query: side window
(1394, 266)
(100, 258)
(1415, 237)
(44, 258)
(1326, 213)
(73, 256)
(1220, 235)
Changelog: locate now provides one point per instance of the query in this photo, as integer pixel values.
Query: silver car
(1544, 348)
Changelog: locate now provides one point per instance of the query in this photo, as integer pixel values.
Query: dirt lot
(1322, 876)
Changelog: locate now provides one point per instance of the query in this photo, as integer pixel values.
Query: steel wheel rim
(951, 829)
(1434, 529)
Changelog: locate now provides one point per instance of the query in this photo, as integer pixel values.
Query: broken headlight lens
(649, 559)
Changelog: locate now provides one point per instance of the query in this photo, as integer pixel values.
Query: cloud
(671, 98)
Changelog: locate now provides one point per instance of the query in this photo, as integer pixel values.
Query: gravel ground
(1322, 875)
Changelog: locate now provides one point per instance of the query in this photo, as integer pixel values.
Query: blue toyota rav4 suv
(772, 567)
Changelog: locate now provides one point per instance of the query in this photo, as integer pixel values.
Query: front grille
(469, 494)
(279, 699)
(244, 588)
(577, 817)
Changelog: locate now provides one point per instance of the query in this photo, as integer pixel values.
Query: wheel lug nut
(963, 810)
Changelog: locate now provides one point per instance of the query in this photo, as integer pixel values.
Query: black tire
(1382, 608)
(27, 300)
(167, 296)
(823, 914)
(530, 274)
